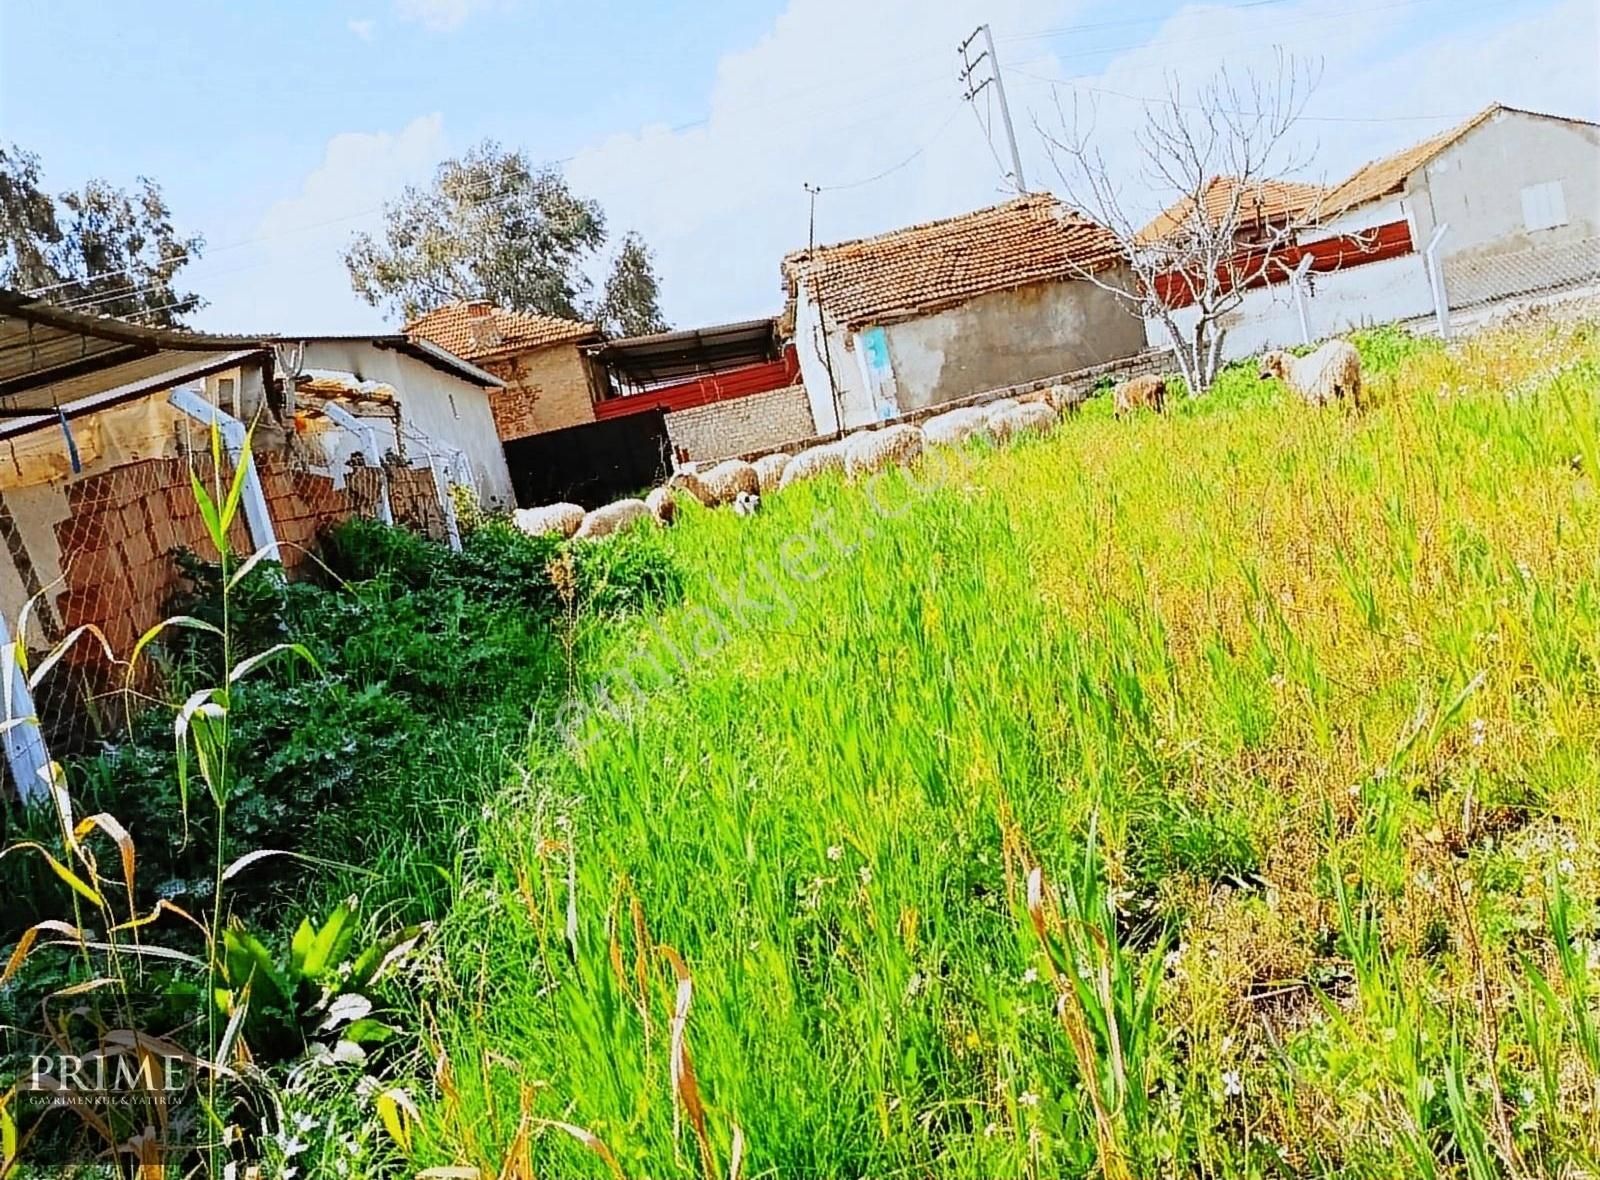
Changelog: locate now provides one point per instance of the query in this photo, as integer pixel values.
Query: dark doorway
(592, 464)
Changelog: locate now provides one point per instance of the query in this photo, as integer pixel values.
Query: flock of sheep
(1330, 373)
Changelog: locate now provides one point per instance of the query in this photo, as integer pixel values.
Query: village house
(1512, 195)
(926, 314)
(547, 381)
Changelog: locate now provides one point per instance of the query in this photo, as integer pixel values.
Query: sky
(278, 130)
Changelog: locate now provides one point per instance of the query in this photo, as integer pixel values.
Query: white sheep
(869, 451)
(745, 504)
(1034, 418)
(1136, 393)
(663, 504)
(769, 471)
(613, 518)
(1000, 405)
(812, 462)
(691, 484)
(954, 427)
(1331, 372)
(561, 520)
(726, 480)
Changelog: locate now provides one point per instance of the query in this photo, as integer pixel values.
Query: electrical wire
(893, 168)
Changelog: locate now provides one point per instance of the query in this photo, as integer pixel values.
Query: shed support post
(256, 515)
(367, 446)
(26, 754)
(1441, 298)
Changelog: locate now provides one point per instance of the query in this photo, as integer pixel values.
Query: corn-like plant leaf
(241, 468)
(588, 1138)
(265, 553)
(113, 828)
(36, 677)
(8, 1132)
(154, 633)
(300, 945)
(248, 964)
(246, 666)
(19, 953)
(208, 512)
(371, 963)
(75, 882)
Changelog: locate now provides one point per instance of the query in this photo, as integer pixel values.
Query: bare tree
(1216, 159)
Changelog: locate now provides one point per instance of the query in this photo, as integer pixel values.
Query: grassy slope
(1322, 689)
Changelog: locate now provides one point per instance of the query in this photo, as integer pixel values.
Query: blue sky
(277, 129)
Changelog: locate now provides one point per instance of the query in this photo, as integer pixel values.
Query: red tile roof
(939, 264)
(1261, 202)
(477, 331)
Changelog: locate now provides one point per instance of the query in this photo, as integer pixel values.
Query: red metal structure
(1329, 254)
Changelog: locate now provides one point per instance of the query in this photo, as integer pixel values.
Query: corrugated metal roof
(925, 268)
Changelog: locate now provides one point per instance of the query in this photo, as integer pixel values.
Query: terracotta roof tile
(1381, 177)
(478, 331)
(1262, 202)
(938, 264)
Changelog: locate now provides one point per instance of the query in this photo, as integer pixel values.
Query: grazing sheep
(1034, 418)
(1139, 393)
(1000, 405)
(726, 480)
(1331, 372)
(896, 446)
(662, 504)
(954, 427)
(691, 484)
(745, 504)
(562, 520)
(812, 462)
(613, 518)
(769, 471)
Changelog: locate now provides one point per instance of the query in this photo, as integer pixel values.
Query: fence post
(367, 446)
(26, 753)
(1441, 300)
(1297, 287)
(233, 434)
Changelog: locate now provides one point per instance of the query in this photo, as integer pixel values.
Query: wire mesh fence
(106, 552)
(1537, 274)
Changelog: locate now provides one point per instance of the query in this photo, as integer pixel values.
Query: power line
(893, 168)
(1065, 30)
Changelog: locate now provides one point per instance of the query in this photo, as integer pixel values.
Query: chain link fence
(102, 549)
(1476, 285)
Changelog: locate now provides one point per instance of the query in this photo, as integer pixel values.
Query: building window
(1544, 206)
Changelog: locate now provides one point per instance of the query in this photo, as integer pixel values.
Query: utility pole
(1000, 92)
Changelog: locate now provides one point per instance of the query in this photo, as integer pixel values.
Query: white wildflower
(1232, 1084)
(1480, 729)
(835, 851)
(865, 874)
(1031, 975)
(1028, 1098)
(1565, 867)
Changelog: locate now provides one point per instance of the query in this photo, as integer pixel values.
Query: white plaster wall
(1377, 293)
(446, 408)
(814, 332)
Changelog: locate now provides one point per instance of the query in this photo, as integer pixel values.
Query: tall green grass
(1213, 794)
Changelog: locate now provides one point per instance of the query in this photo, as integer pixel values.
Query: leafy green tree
(493, 226)
(100, 249)
(631, 304)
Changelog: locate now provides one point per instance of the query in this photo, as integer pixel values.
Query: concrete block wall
(759, 421)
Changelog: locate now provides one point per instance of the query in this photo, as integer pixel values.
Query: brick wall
(761, 421)
(546, 389)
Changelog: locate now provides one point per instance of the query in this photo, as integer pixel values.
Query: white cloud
(439, 16)
(838, 91)
(289, 274)
(363, 29)
(835, 92)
